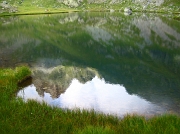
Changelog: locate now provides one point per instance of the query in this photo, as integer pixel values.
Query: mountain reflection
(156, 27)
(57, 79)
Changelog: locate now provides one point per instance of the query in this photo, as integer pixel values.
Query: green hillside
(49, 6)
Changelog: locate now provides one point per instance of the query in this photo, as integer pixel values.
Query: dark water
(109, 62)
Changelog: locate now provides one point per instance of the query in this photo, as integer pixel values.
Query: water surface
(109, 62)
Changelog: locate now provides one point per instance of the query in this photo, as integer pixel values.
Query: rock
(46, 10)
(5, 5)
(13, 10)
(4, 2)
(111, 10)
(127, 11)
(144, 7)
(71, 3)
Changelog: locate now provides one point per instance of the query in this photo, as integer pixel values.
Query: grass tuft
(96, 130)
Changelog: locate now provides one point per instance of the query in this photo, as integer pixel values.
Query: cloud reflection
(98, 95)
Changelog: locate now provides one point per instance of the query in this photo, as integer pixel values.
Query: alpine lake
(113, 63)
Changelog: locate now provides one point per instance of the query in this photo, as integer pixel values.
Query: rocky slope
(136, 5)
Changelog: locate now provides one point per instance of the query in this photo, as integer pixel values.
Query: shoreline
(57, 11)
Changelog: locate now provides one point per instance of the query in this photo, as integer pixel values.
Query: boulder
(5, 2)
(127, 9)
(111, 10)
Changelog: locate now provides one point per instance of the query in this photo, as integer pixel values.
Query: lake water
(110, 62)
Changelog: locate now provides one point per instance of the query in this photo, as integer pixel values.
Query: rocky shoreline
(6, 7)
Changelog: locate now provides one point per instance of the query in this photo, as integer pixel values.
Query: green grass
(35, 10)
(96, 130)
(18, 117)
(9, 79)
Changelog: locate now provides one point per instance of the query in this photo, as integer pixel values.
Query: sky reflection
(98, 95)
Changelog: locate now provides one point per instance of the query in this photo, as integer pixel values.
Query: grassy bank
(32, 117)
(34, 11)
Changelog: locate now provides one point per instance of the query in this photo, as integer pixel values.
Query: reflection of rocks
(54, 89)
(127, 13)
(70, 18)
(56, 80)
(155, 26)
(8, 20)
(177, 59)
(99, 34)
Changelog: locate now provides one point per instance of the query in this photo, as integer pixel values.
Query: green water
(140, 52)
